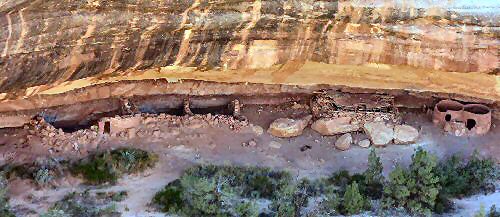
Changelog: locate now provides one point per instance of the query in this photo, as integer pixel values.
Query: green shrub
(417, 189)
(110, 165)
(459, 178)
(424, 186)
(330, 205)
(202, 195)
(341, 179)
(250, 181)
(481, 212)
(113, 196)
(373, 178)
(4, 200)
(42, 176)
(396, 191)
(55, 213)
(342, 182)
(170, 198)
(480, 174)
(118, 197)
(452, 181)
(494, 212)
(246, 209)
(42, 171)
(353, 202)
(283, 204)
(301, 196)
(84, 204)
(97, 170)
(210, 190)
(232, 191)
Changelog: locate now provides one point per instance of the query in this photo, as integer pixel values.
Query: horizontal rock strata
(49, 42)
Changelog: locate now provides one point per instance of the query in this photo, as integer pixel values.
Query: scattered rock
(365, 143)
(298, 106)
(252, 143)
(156, 133)
(405, 134)
(344, 142)
(196, 125)
(286, 127)
(274, 144)
(257, 130)
(380, 133)
(212, 145)
(330, 127)
(305, 148)
(456, 128)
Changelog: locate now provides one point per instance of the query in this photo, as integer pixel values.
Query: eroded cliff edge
(47, 42)
(447, 49)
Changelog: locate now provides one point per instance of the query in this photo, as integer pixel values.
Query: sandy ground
(184, 146)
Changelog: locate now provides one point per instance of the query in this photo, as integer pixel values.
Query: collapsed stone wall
(82, 106)
(46, 42)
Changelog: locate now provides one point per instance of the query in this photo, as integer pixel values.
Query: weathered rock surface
(405, 134)
(274, 144)
(329, 127)
(344, 142)
(257, 130)
(365, 143)
(380, 133)
(286, 127)
(45, 42)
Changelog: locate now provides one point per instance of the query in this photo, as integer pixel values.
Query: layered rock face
(49, 42)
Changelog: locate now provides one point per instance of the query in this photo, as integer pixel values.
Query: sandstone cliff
(51, 41)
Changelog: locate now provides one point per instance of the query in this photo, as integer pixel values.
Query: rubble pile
(56, 140)
(365, 117)
(151, 125)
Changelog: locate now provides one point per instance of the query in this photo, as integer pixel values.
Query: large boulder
(330, 127)
(380, 133)
(405, 134)
(344, 142)
(286, 127)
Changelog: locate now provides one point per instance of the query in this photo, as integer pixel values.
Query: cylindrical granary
(446, 111)
(477, 118)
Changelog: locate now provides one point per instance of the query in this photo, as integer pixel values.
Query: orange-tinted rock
(47, 42)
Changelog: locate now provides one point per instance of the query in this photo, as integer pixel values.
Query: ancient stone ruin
(461, 120)
(310, 86)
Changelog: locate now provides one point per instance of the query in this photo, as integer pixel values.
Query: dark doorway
(471, 123)
(107, 127)
(447, 117)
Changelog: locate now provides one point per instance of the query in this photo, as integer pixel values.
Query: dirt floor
(186, 141)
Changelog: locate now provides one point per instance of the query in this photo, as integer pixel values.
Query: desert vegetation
(425, 187)
(4, 200)
(97, 168)
(108, 166)
(87, 204)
